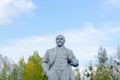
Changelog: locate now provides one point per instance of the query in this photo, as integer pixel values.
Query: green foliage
(103, 70)
(33, 69)
(102, 73)
(77, 74)
(14, 74)
(5, 69)
(90, 73)
(102, 56)
(20, 68)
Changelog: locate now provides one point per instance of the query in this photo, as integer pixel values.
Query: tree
(103, 70)
(118, 53)
(1, 64)
(102, 56)
(115, 67)
(89, 73)
(77, 74)
(7, 69)
(20, 68)
(102, 73)
(33, 69)
(14, 74)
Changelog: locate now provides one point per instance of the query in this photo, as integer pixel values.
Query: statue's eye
(60, 38)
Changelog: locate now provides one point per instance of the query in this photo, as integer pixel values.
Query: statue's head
(60, 40)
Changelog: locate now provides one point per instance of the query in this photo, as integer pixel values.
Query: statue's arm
(45, 65)
(72, 59)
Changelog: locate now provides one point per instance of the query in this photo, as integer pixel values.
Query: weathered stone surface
(57, 61)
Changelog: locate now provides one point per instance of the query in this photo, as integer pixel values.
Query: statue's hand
(47, 73)
(70, 57)
(73, 61)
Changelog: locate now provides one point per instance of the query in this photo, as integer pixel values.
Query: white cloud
(84, 42)
(11, 9)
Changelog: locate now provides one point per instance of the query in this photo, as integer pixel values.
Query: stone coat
(50, 57)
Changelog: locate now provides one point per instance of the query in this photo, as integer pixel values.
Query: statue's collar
(62, 47)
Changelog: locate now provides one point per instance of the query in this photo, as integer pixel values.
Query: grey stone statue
(57, 62)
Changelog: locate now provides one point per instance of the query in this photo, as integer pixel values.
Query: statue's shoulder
(69, 50)
(51, 50)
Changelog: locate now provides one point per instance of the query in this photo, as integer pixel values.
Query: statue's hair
(60, 36)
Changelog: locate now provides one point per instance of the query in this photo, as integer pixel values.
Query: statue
(57, 62)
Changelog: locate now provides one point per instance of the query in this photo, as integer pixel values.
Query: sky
(29, 25)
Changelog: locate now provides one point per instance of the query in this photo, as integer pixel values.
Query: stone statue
(57, 62)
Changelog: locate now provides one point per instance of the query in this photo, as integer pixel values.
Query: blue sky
(28, 25)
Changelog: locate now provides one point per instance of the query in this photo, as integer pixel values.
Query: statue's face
(60, 40)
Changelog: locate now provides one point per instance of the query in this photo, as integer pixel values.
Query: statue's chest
(62, 54)
(61, 59)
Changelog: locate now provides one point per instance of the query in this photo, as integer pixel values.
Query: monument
(57, 62)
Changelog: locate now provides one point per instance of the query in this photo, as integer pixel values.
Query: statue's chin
(59, 45)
